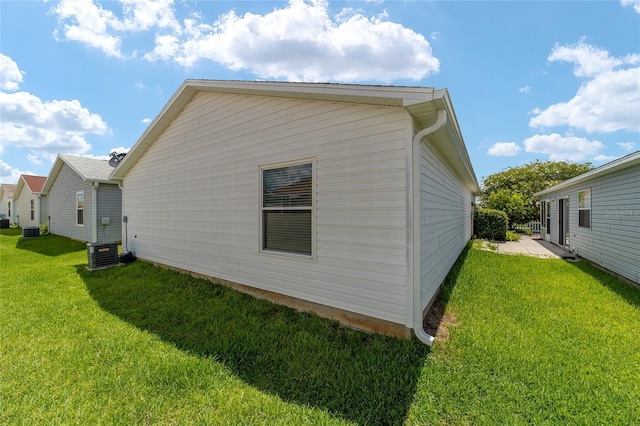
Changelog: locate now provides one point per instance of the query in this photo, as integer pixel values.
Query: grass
(531, 341)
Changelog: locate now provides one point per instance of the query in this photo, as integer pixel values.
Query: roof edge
(621, 163)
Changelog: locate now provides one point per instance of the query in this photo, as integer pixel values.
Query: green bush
(43, 229)
(512, 236)
(490, 224)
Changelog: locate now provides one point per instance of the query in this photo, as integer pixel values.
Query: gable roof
(89, 169)
(33, 183)
(621, 163)
(421, 102)
(7, 188)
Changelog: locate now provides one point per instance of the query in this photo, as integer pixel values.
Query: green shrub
(490, 224)
(43, 229)
(512, 236)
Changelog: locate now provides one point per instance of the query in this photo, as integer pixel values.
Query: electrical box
(106, 221)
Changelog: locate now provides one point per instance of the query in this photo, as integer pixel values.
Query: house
(84, 204)
(351, 201)
(597, 216)
(7, 208)
(30, 204)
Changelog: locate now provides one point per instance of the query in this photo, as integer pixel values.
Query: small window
(287, 209)
(9, 209)
(32, 210)
(548, 219)
(80, 208)
(584, 208)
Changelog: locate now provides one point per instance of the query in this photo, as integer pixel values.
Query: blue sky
(533, 80)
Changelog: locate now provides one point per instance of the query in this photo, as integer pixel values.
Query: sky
(539, 80)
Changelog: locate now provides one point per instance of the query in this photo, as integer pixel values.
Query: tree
(511, 203)
(528, 179)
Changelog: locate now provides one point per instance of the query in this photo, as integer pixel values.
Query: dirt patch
(437, 322)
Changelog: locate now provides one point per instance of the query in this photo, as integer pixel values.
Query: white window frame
(78, 208)
(312, 209)
(581, 208)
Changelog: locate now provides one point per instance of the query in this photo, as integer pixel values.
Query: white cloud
(9, 174)
(10, 74)
(87, 22)
(119, 150)
(300, 41)
(627, 146)
(34, 159)
(504, 149)
(47, 127)
(525, 89)
(435, 35)
(589, 60)
(146, 120)
(608, 101)
(563, 148)
(634, 3)
(604, 158)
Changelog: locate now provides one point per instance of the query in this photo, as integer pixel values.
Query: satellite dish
(116, 158)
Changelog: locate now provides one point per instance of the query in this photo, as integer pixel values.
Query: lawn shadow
(11, 232)
(360, 377)
(50, 245)
(626, 290)
(437, 321)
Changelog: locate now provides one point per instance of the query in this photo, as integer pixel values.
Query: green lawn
(531, 341)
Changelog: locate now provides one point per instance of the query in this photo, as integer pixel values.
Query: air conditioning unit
(102, 255)
(30, 231)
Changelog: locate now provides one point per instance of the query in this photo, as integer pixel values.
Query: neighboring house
(84, 204)
(351, 201)
(30, 204)
(597, 216)
(7, 208)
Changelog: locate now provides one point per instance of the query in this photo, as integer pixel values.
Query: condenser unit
(102, 255)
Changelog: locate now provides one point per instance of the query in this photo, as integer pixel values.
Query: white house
(84, 204)
(29, 202)
(7, 208)
(351, 201)
(597, 216)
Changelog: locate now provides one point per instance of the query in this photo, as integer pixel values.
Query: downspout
(418, 327)
(38, 195)
(122, 212)
(94, 211)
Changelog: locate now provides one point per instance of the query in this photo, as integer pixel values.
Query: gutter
(418, 327)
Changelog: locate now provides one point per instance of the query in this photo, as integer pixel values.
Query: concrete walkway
(532, 246)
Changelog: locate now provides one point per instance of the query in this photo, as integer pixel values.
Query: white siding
(445, 212)
(4, 207)
(62, 205)
(44, 209)
(192, 199)
(23, 209)
(613, 241)
(109, 206)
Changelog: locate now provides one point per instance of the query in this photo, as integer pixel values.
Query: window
(287, 208)
(80, 208)
(548, 209)
(32, 210)
(9, 209)
(584, 208)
